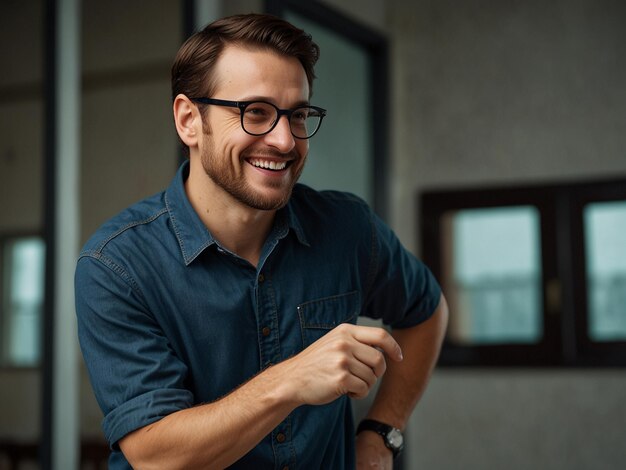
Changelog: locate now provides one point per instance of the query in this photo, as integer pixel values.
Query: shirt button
(280, 437)
(266, 331)
(261, 278)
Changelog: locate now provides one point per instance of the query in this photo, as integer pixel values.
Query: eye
(300, 114)
(259, 111)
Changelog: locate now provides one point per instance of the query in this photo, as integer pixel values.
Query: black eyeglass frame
(242, 105)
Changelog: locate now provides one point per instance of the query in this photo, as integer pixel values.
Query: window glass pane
(492, 275)
(340, 155)
(605, 230)
(23, 300)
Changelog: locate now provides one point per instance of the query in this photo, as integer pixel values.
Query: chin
(268, 203)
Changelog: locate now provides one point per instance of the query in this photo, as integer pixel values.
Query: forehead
(242, 72)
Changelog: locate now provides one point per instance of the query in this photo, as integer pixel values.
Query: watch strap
(382, 429)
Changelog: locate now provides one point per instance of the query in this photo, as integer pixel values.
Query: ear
(188, 121)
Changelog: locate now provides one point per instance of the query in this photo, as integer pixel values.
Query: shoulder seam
(129, 226)
(113, 266)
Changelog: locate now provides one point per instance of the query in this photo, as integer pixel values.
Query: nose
(281, 137)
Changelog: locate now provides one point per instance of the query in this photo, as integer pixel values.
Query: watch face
(395, 439)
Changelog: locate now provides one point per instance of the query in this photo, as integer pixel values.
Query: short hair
(192, 72)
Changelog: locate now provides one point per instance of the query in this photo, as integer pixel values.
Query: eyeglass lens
(258, 118)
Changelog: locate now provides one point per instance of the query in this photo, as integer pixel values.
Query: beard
(223, 175)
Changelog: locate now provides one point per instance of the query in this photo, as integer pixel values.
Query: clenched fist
(346, 361)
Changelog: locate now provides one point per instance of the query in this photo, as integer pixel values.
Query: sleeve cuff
(143, 410)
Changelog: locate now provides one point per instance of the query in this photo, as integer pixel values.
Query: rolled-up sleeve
(401, 291)
(136, 376)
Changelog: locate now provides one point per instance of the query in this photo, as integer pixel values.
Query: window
(22, 300)
(534, 275)
(350, 152)
(605, 250)
(493, 275)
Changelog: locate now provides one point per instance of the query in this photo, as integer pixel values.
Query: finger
(357, 388)
(379, 338)
(363, 372)
(372, 357)
(353, 385)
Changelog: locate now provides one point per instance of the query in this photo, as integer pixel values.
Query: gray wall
(505, 91)
(493, 92)
(484, 92)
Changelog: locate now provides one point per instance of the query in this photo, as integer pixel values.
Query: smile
(268, 165)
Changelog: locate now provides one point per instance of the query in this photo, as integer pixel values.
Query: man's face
(236, 162)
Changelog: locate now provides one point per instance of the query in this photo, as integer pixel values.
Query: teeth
(269, 165)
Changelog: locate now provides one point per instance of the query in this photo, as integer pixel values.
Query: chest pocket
(318, 317)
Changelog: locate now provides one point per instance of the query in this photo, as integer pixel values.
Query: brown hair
(192, 73)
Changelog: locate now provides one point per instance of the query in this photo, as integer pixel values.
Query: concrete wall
(484, 92)
(492, 92)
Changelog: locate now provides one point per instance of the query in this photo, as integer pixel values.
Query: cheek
(229, 138)
(221, 127)
(234, 145)
(302, 147)
(229, 130)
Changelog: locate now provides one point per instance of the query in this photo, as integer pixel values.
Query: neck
(237, 227)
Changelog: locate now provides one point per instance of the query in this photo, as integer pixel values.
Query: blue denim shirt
(168, 319)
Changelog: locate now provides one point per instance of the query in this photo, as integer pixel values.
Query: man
(217, 319)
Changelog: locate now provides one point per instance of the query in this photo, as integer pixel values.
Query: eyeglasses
(260, 117)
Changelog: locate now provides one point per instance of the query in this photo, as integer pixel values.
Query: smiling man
(218, 318)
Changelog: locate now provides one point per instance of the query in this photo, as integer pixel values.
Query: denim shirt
(169, 319)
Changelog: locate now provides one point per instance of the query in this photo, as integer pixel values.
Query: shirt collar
(192, 235)
(294, 222)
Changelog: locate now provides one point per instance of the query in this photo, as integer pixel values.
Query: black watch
(392, 437)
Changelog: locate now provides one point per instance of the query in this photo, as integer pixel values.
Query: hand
(371, 452)
(346, 361)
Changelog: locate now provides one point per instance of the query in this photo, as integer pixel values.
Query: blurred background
(490, 135)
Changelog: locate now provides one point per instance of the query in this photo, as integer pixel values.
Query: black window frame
(564, 290)
(591, 353)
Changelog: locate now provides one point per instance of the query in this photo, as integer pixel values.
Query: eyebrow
(272, 101)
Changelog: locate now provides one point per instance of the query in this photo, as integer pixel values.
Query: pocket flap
(328, 312)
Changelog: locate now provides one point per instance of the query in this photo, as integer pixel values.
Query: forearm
(346, 361)
(404, 382)
(214, 435)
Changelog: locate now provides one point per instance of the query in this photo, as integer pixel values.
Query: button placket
(267, 318)
(283, 444)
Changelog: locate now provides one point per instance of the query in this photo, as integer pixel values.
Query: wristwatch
(392, 437)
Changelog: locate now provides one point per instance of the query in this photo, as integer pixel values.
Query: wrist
(283, 387)
(390, 436)
(274, 388)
